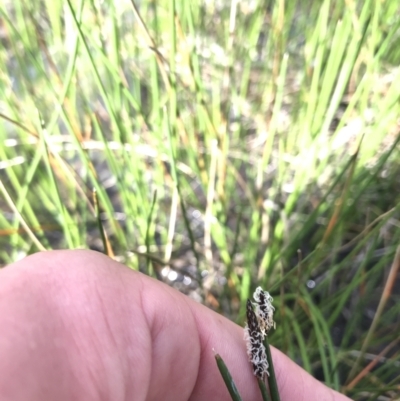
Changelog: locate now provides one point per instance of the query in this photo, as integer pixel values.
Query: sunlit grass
(231, 143)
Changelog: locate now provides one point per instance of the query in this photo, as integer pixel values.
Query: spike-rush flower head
(259, 323)
(264, 310)
(254, 340)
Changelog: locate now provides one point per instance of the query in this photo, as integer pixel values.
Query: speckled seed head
(264, 310)
(254, 341)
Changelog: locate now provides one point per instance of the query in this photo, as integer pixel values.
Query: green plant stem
(273, 386)
(230, 384)
(99, 222)
(263, 389)
(150, 270)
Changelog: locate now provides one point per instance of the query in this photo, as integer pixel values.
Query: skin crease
(76, 325)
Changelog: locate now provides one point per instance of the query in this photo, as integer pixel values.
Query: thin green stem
(230, 384)
(273, 386)
(150, 270)
(264, 390)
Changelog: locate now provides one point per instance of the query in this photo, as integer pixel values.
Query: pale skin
(76, 325)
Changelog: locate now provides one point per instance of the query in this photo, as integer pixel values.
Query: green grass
(250, 142)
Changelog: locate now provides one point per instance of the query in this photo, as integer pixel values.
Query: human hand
(76, 325)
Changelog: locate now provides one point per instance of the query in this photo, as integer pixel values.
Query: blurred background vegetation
(217, 146)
